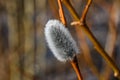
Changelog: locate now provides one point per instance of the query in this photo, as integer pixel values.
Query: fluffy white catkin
(60, 41)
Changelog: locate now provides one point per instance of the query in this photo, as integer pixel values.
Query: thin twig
(75, 66)
(83, 17)
(61, 13)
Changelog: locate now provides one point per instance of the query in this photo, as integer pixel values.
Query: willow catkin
(60, 41)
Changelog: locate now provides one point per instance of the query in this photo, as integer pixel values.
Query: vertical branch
(21, 35)
(74, 63)
(39, 41)
(35, 40)
(75, 66)
(61, 13)
(4, 45)
(29, 39)
(15, 72)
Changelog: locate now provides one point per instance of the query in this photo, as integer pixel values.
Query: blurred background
(24, 54)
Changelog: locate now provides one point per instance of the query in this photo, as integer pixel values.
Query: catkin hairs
(60, 41)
